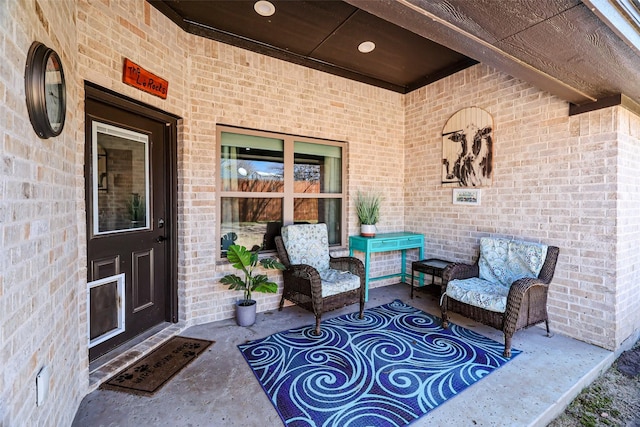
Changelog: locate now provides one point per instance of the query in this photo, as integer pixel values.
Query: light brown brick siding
(566, 181)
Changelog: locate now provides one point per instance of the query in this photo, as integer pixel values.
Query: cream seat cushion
(502, 262)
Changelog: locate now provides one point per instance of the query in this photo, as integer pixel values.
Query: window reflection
(317, 168)
(267, 180)
(313, 211)
(250, 222)
(251, 163)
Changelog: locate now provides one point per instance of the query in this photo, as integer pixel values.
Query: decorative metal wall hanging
(467, 149)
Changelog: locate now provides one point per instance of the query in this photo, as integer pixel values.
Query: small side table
(386, 242)
(432, 266)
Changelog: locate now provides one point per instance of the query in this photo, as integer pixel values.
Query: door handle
(161, 239)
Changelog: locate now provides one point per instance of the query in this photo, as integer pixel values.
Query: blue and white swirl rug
(387, 369)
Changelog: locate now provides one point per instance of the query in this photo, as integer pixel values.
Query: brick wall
(568, 181)
(41, 280)
(627, 291)
(555, 181)
(246, 89)
(212, 83)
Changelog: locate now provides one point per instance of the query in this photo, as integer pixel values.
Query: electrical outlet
(42, 385)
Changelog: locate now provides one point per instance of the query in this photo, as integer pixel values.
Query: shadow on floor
(219, 389)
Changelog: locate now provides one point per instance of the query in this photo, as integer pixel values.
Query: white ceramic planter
(368, 230)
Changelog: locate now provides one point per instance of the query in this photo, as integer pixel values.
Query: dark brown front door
(129, 223)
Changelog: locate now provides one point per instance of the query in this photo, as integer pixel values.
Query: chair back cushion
(307, 244)
(504, 261)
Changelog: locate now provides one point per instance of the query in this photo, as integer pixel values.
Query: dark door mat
(149, 374)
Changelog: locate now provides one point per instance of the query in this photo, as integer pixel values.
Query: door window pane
(317, 168)
(251, 222)
(120, 179)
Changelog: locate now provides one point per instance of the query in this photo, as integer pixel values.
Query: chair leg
(546, 322)
(317, 331)
(443, 309)
(361, 309)
(507, 346)
(281, 302)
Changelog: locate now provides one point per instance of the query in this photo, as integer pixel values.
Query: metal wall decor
(467, 149)
(45, 90)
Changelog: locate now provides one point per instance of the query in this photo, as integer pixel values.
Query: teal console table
(386, 242)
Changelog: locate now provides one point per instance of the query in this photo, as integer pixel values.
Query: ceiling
(585, 52)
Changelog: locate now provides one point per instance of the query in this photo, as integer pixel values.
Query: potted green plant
(368, 210)
(246, 261)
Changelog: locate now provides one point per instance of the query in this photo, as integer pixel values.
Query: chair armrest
(517, 292)
(305, 279)
(304, 271)
(351, 264)
(521, 286)
(458, 270)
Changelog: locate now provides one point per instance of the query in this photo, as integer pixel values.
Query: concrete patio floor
(219, 389)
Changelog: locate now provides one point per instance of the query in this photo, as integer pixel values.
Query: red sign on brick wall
(138, 77)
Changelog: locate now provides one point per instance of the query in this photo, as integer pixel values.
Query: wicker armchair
(303, 284)
(526, 301)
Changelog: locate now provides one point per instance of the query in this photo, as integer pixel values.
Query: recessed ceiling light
(366, 47)
(264, 8)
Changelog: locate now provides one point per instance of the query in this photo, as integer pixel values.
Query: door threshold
(107, 365)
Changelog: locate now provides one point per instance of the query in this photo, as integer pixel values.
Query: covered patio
(565, 161)
(219, 388)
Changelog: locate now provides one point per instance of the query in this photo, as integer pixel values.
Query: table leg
(366, 273)
(421, 278)
(412, 273)
(366, 276)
